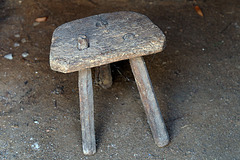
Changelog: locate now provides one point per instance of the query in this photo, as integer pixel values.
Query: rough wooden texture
(103, 76)
(87, 111)
(149, 101)
(110, 37)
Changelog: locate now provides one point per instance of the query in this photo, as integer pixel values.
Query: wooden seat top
(103, 39)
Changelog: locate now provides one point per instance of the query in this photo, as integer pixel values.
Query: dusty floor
(196, 80)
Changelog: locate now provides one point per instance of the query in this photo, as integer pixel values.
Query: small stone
(9, 56)
(36, 122)
(236, 25)
(23, 40)
(35, 146)
(35, 23)
(24, 54)
(16, 45)
(17, 35)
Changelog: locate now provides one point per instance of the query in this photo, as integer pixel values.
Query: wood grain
(111, 37)
(149, 101)
(87, 111)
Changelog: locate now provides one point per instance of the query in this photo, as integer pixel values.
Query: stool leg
(87, 111)
(103, 76)
(149, 101)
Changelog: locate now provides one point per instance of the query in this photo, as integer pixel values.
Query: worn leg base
(103, 76)
(87, 111)
(149, 101)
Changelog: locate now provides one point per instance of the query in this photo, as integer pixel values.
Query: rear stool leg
(103, 76)
(87, 111)
(149, 101)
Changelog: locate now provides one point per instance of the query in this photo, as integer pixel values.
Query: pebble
(17, 35)
(9, 56)
(23, 40)
(236, 25)
(16, 45)
(25, 54)
(35, 146)
(35, 23)
(36, 122)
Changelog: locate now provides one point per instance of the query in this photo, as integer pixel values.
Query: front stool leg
(87, 111)
(149, 101)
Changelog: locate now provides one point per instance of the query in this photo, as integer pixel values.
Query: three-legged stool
(100, 40)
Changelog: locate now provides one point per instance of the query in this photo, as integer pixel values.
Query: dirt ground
(196, 80)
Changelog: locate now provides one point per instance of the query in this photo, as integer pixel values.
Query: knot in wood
(82, 42)
(102, 22)
(128, 36)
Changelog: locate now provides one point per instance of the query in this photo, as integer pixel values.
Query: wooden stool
(100, 40)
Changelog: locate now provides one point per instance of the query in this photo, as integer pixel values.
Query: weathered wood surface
(87, 111)
(103, 39)
(103, 76)
(149, 101)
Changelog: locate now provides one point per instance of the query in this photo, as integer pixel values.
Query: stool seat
(97, 41)
(111, 37)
